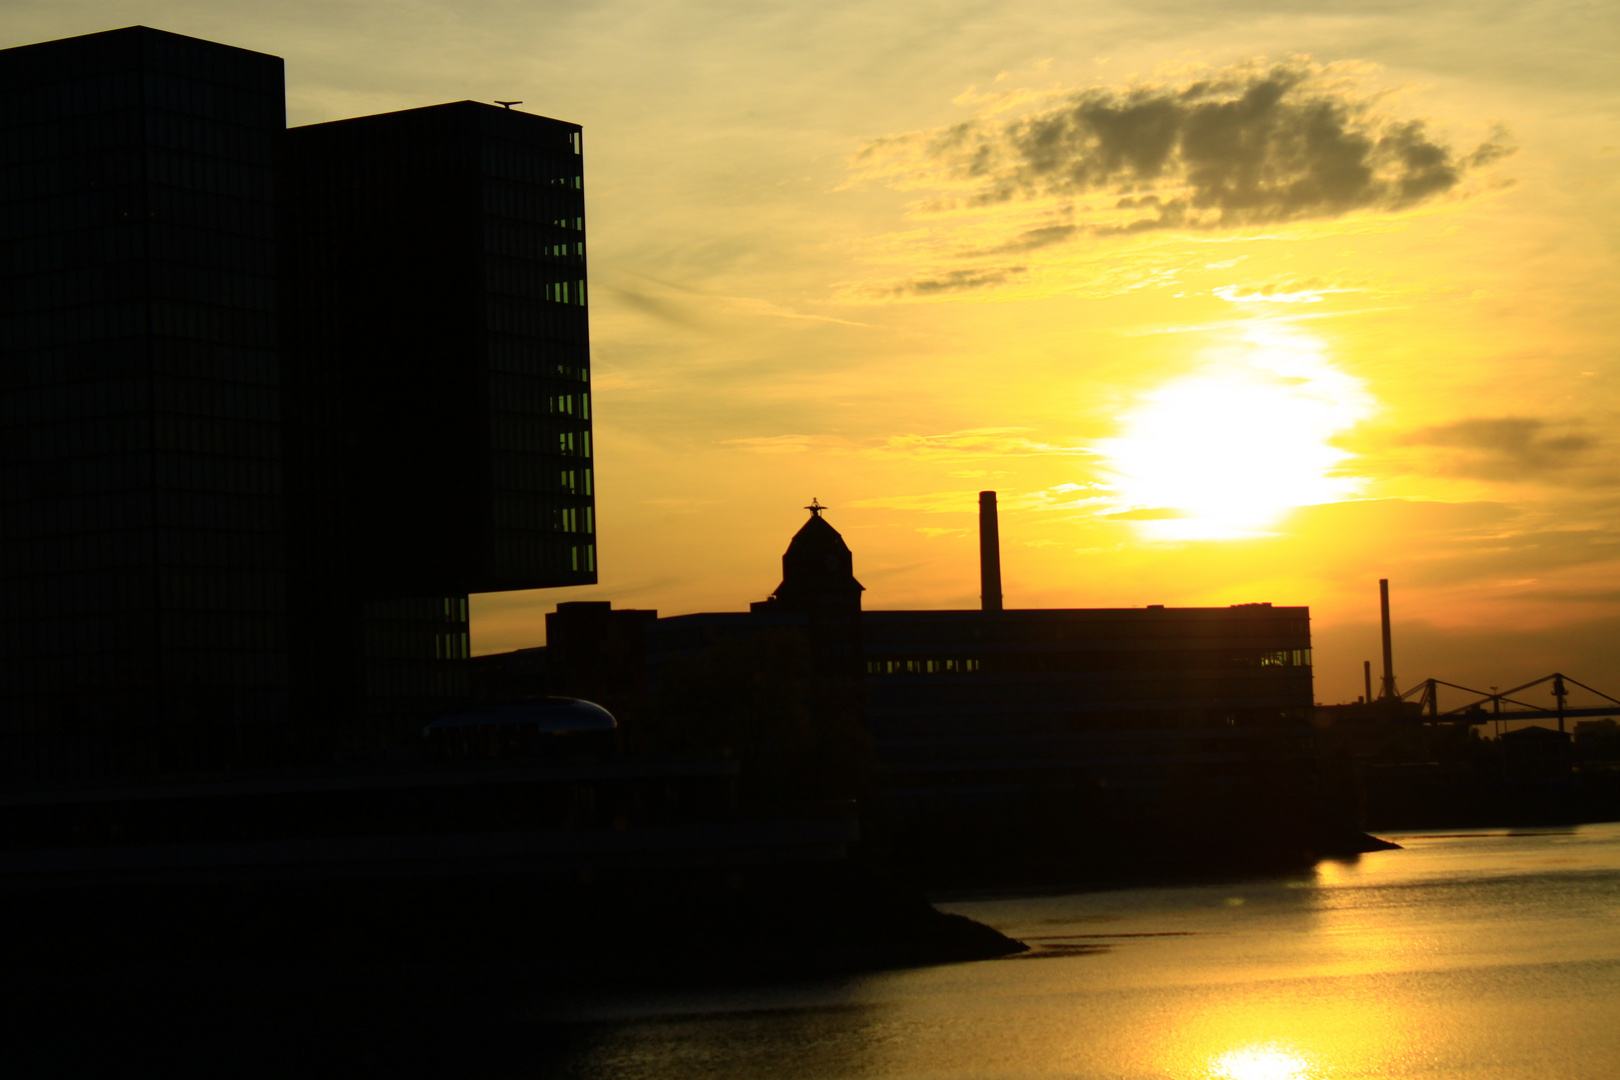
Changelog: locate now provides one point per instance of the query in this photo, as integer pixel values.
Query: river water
(1486, 955)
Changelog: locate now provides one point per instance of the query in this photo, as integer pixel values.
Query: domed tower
(817, 567)
(818, 578)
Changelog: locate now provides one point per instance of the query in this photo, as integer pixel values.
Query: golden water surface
(1487, 955)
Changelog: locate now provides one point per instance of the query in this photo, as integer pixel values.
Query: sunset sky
(1250, 301)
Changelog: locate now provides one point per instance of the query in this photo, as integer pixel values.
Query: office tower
(437, 372)
(142, 578)
(274, 403)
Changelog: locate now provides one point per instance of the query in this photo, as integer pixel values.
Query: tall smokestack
(1388, 688)
(989, 553)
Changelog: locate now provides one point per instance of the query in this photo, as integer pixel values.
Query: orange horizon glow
(891, 259)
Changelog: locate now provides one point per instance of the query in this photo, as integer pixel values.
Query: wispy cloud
(772, 444)
(933, 502)
(972, 443)
(955, 281)
(1290, 292)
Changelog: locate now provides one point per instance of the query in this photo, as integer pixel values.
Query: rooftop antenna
(508, 104)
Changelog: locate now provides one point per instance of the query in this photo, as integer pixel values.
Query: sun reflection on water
(1264, 1062)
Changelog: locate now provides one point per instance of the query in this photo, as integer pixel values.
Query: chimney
(989, 553)
(1388, 689)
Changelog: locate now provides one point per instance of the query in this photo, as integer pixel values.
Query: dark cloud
(1505, 448)
(1250, 146)
(958, 281)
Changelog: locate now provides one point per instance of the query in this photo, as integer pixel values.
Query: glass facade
(439, 392)
(142, 577)
(439, 292)
(274, 403)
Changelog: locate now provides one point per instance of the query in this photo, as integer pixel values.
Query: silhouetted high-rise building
(143, 566)
(274, 402)
(437, 366)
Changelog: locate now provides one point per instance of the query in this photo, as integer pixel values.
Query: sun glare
(1260, 1063)
(1226, 451)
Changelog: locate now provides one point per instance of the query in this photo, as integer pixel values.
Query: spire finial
(815, 507)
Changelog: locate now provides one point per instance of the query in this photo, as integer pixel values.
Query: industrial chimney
(989, 553)
(1387, 691)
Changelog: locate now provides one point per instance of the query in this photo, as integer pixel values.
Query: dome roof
(817, 561)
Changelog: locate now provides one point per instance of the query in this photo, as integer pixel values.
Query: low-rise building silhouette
(1164, 719)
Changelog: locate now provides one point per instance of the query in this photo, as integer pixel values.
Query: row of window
(216, 398)
(536, 474)
(537, 435)
(123, 674)
(130, 472)
(138, 279)
(538, 319)
(451, 646)
(544, 359)
(528, 280)
(39, 329)
(134, 433)
(523, 511)
(224, 325)
(62, 175)
(198, 172)
(54, 402)
(230, 213)
(25, 256)
(529, 310)
(532, 397)
(525, 163)
(523, 551)
(394, 641)
(544, 203)
(533, 241)
(93, 322)
(1197, 627)
(91, 598)
(951, 665)
(132, 167)
(417, 609)
(99, 132)
(130, 359)
(411, 685)
(1121, 660)
(573, 519)
(130, 240)
(126, 510)
(140, 509)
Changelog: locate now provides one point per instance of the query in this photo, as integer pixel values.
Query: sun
(1227, 450)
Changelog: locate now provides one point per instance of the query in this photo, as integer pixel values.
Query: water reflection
(1470, 957)
(1267, 1062)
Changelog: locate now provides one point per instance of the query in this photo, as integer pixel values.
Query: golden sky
(1250, 301)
